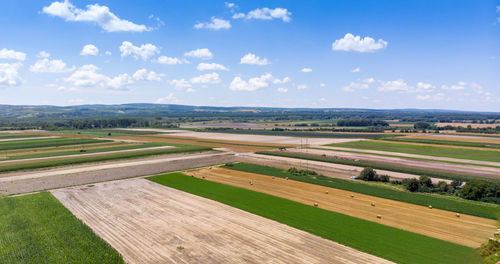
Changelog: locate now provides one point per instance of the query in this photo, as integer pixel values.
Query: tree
(412, 184)
(368, 174)
(421, 125)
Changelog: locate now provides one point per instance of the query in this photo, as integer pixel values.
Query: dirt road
(26, 182)
(466, 230)
(150, 223)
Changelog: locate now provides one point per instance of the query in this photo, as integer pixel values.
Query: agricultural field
(46, 142)
(424, 149)
(105, 132)
(374, 238)
(37, 228)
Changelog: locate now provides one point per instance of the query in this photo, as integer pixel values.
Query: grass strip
(379, 165)
(52, 142)
(458, 153)
(105, 157)
(37, 228)
(453, 204)
(370, 237)
(13, 136)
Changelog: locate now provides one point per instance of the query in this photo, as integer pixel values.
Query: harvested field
(226, 125)
(26, 182)
(177, 227)
(479, 139)
(467, 124)
(472, 170)
(465, 230)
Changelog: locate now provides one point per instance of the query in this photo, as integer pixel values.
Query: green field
(379, 165)
(449, 203)
(444, 142)
(88, 151)
(97, 158)
(105, 132)
(370, 237)
(37, 228)
(12, 136)
(51, 142)
(399, 147)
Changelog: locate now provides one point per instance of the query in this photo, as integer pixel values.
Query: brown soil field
(63, 148)
(467, 124)
(150, 223)
(472, 170)
(465, 230)
(437, 145)
(471, 138)
(33, 181)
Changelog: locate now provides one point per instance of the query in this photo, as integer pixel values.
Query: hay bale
(458, 214)
(203, 176)
(272, 177)
(352, 195)
(316, 204)
(251, 182)
(430, 206)
(326, 192)
(373, 203)
(286, 178)
(379, 216)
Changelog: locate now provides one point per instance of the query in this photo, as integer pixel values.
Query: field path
(150, 223)
(27, 138)
(465, 230)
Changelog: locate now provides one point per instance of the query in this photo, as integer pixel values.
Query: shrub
(368, 174)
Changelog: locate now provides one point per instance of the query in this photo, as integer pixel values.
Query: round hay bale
(373, 204)
(316, 204)
(203, 176)
(379, 216)
(352, 195)
(458, 214)
(326, 192)
(272, 177)
(251, 182)
(286, 178)
(430, 206)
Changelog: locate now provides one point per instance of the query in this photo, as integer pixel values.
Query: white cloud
(47, 65)
(266, 14)
(253, 84)
(43, 54)
(144, 52)
(214, 24)
(301, 87)
(12, 55)
(356, 70)
(211, 67)
(170, 98)
(229, 5)
(355, 43)
(199, 53)
(306, 70)
(108, 53)
(209, 78)
(423, 97)
(359, 85)
(425, 86)
(101, 15)
(145, 75)
(391, 86)
(282, 90)
(282, 81)
(168, 60)
(322, 99)
(190, 90)
(455, 87)
(253, 59)
(87, 76)
(89, 49)
(180, 84)
(9, 75)
(322, 85)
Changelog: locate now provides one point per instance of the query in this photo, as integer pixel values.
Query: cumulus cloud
(89, 50)
(306, 70)
(214, 24)
(358, 85)
(253, 59)
(9, 74)
(390, 86)
(421, 86)
(355, 43)
(170, 98)
(253, 84)
(266, 14)
(301, 87)
(454, 87)
(87, 76)
(180, 84)
(12, 55)
(423, 97)
(209, 78)
(168, 60)
(356, 70)
(145, 75)
(204, 54)
(281, 81)
(100, 15)
(45, 64)
(144, 52)
(211, 67)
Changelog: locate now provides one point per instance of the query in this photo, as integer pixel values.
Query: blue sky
(364, 54)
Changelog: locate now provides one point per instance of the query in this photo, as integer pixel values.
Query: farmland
(37, 228)
(367, 236)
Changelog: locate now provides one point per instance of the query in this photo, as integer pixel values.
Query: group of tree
(353, 122)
